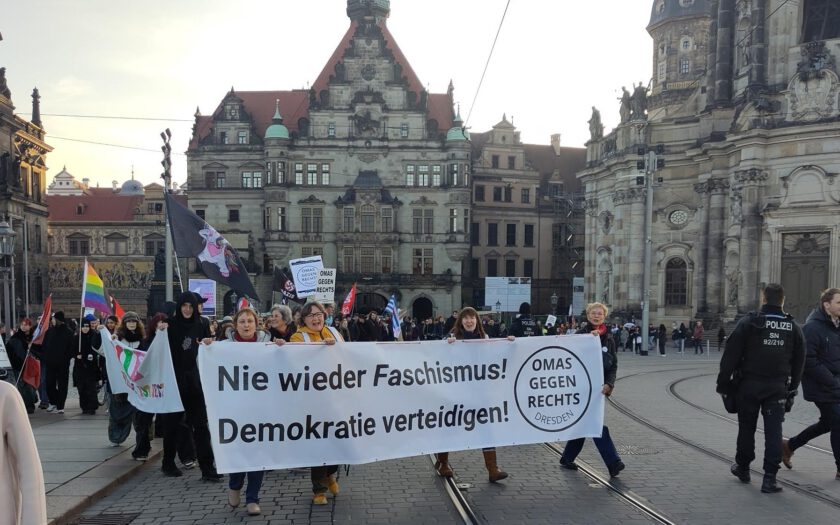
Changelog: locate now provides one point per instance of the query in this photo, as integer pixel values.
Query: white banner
(325, 289)
(206, 288)
(305, 274)
(146, 376)
(298, 405)
(4, 358)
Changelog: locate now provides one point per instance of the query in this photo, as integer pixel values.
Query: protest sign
(146, 376)
(305, 274)
(325, 289)
(206, 288)
(4, 358)
(273, 407)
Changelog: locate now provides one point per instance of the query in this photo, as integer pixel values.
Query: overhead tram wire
(109, 145)
(487, 64)
(113, 117)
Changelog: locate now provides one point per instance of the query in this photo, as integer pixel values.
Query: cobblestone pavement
(684, 483)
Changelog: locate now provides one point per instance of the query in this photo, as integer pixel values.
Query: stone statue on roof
(4, 88)
(638, 102)
(596, 128)
(624, 110)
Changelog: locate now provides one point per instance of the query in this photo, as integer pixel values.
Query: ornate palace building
(119, 230)
(366, 168)
(23, 168)
(743, 109)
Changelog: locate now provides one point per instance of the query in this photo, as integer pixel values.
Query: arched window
(676, 283)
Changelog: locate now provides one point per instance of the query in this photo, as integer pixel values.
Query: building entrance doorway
(804, 271)
(370, 302)
(422, 309)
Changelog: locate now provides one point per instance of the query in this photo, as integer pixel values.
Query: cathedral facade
(742, 113)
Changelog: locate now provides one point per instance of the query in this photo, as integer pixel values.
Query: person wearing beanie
(186, 330)
(86, 369)
(58, 350)
(130, 333)
(524, 325)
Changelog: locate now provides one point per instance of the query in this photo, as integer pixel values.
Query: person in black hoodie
(821, 380)
(524, 325)
(17, 347)
(596, 313)
(186, 331)
(58, 350)
(86, 370)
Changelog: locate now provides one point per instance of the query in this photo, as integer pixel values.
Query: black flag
(285, 286)
(193, 237)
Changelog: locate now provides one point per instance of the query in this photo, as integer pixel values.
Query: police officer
(762, 365)
(524, 325)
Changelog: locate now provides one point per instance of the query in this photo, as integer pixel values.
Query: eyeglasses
(314, 314)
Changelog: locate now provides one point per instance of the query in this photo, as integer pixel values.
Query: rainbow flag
(93, 291)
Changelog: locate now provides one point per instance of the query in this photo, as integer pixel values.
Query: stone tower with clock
(742, 107)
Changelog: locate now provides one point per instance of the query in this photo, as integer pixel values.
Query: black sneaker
(742, 473)
(212, 476)
(616, 468)
(189, 464)
(172, 471)
(569, 465)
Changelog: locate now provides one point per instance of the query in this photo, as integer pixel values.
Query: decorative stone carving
(736, 212)
(750, 176)
(606, 221)
(816, 61)
(629, 196)
(712, 186)
(367, 158)
(596, 128)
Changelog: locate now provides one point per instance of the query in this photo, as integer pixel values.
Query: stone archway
(805, 258)
(422, 309)
(370, 302)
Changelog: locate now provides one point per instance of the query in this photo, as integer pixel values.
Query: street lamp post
(498, 306)
(7, 261)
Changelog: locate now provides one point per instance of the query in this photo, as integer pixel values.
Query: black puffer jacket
(608, 352)
(58, 346)
(821, 381)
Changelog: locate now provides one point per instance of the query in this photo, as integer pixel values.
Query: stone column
(628, 264)
(714, 254)
(723, 61)
(701, 247)
(748, 183)
(591, 255)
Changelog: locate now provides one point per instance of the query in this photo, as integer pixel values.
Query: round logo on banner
(307, 276)
(553, 389)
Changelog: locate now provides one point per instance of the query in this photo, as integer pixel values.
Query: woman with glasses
(314, 330)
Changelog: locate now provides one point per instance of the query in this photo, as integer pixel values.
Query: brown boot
(787, 453)
(442, 465)
(493, 470)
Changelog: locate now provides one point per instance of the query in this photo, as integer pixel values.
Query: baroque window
(676, 283)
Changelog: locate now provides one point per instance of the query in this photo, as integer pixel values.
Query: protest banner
(4, 358)
(325, 289)
(146, 376)
(305, 274)
(301, 404)
(206, 288)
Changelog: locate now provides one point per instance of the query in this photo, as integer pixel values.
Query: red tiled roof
(338, 54)
(260, 105)
(440, 109)
(100, 205)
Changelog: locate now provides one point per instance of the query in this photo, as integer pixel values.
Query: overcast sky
(161, 58)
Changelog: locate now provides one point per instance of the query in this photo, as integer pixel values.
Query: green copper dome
(277, 130)
(457, 133)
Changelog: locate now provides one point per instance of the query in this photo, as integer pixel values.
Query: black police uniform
(763, 361)
(524, 326)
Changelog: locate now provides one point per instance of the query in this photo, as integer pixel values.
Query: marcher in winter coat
(86, 374)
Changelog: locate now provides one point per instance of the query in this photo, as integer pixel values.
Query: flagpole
(178, 269)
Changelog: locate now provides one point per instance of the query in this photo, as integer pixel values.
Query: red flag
(44, 323)
(32, 371)
(243, 303)
(347, 305)
(118, 310)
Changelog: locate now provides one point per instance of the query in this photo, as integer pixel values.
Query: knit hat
(59, 316)
(130, 316)
(90, 317)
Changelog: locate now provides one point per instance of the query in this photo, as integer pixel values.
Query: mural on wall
(116, 275)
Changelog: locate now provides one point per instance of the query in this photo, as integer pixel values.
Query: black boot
(742, 473)
(768, 485)
(171, 471)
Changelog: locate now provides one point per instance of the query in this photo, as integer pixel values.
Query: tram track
(623, 494)
(805, 491)
(672, 389)
(459, 500)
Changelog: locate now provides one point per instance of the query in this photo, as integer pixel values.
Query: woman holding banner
(468, 326)
(596, 313)
(130, 333)
(314, 330)
(245, 330)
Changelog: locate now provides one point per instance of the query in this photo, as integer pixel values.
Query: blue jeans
(255, 479)
(605, 446)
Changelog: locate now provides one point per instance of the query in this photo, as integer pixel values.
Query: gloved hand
(789, 401)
